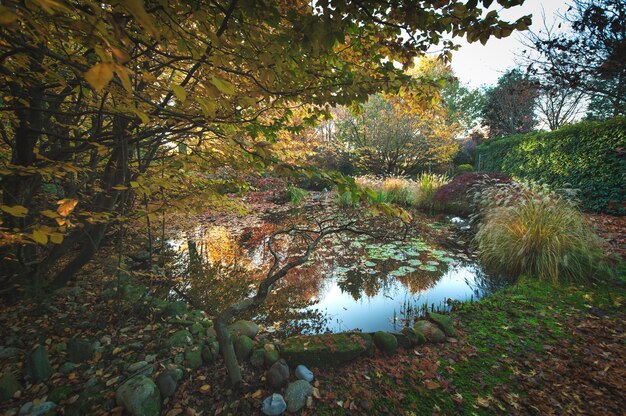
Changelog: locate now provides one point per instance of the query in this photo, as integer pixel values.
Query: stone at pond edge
(274, 405)
(444, 322)
(167, 381)
(193, 357)
(139, 396)
(142, 366)
(39, 409)
(37, 364)
(304, 373)
(430, 331)
(174, 309)
(386, 342)
(80, 350)
(327, 350)
(242, 327)
(210, 352)
(197, 328)
(271, 356)
(243, 347)
(180, 338)
(59, 394)
(414, 338)
(296, 394)
(258, 358)
(278, 374)
(8, 386)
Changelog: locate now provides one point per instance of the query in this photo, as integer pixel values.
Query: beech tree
(98, 96)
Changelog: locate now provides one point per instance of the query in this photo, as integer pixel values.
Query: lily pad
(415, 262)
(428, 268)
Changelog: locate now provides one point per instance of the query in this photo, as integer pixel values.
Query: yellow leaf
(40, 237)
(120, 187)
(123, 74)
(137, 9)
(6, 16)
(257, 394)
(99, 75)
(205, 388)
(224, 86)
(142, 116)
(179, 92)
(16, 210)
(56, 238)
(66, 206)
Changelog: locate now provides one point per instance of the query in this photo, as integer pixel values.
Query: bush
(538, 234)
(454, 197)
(403, 191)
(464, 168)
(588, 156)
(296, 195)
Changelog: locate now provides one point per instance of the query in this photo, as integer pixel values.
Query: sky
(479, 65)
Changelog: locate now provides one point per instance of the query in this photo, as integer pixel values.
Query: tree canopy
(107, 103)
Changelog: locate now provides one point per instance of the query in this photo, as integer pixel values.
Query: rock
(38, 365)
(180, 338)
(242, 327)
(386, 342)
(167, 381)
(210, 351)
(210, 333)
(37, 410)
(139, 396)
(197, 328)
(174, 309)
(403, 339)
(8, 386)
(258, 358)
(271, 356)
(135, 346)
(327, 350)
(444, 322)
(274, 405)
(278, 374)
(142, 366)
(8, 352)
(304, 373)
(429, 331)
(193, 357)
(150, 358)
(413, 337)
(67, 368)
(296, 394)
(243, 347)
(79, 350)
(59, 394)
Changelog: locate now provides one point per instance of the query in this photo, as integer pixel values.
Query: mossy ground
(501, 342)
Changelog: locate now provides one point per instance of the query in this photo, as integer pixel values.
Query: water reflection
(351, 282)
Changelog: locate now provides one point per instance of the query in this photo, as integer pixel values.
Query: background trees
(510, 105)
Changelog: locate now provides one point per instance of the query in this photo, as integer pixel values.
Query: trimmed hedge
(589, 156)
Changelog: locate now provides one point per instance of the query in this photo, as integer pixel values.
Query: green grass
(296, 195)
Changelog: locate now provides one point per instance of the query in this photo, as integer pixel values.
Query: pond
(381, 279)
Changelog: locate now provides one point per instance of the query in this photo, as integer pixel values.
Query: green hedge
(589, 156)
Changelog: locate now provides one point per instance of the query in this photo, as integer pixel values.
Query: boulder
(258, 358)
(297, 394)
(385, 342)
(38, 365)
(41, 409)
(274, 405)
(210, 352)
(8, 386)
(444, 322)
(8, 352)
(278, 374)
(142, 367)
(243, 347)
(180, 338)
(139, 396)
(242, 327)
(197, 328)
(193, 357)
(304, 373)
(429, 331)
(167, 381)
(59, 393)
(174, 309)
(271, 356)
(413, 337)
(327, 350)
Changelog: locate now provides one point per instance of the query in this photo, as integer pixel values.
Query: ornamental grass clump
(542, 236)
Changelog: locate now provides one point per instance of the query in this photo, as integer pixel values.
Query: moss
(325, 350)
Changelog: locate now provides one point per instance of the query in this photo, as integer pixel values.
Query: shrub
(296, 195)
(453, 197)
(539, 234)
(403, 191)
(588, 156)
(464, 168)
